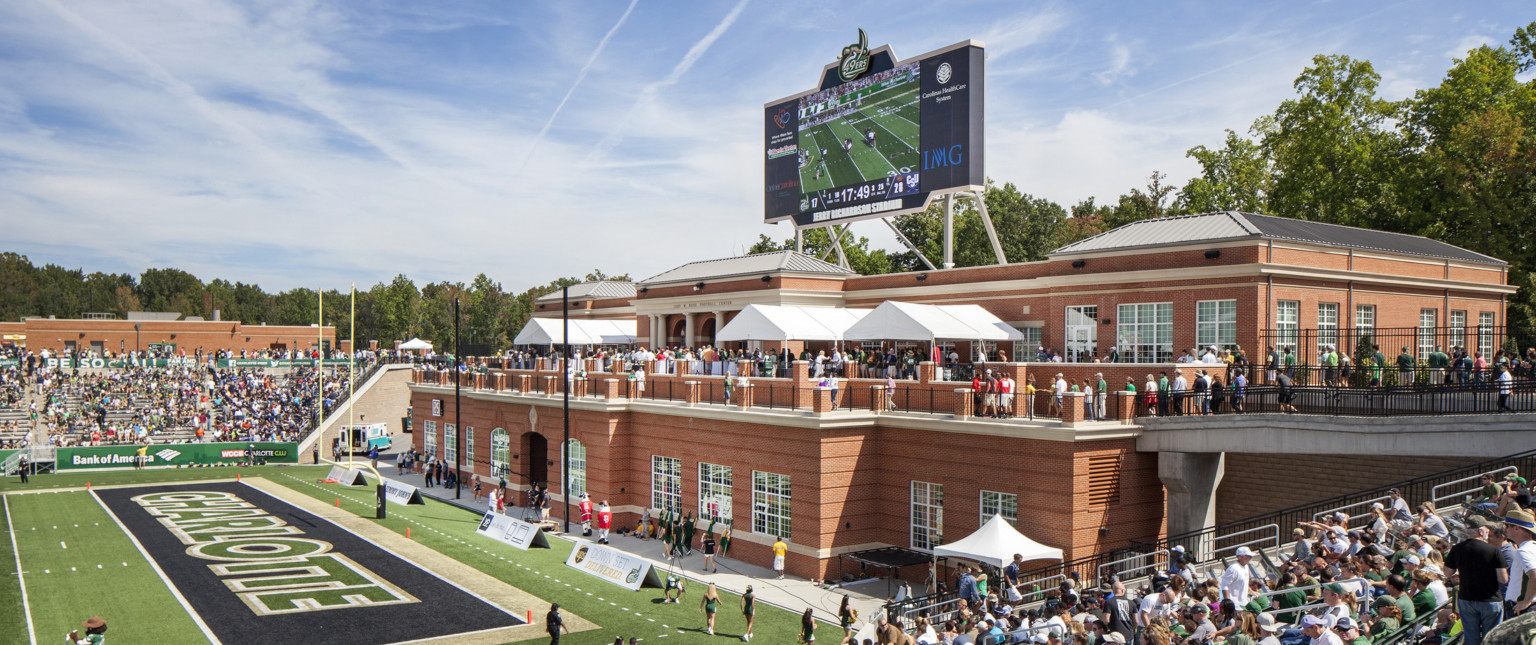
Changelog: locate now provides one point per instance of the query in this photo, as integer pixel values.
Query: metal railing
(1469, 398)
(1152, 561)
(1458, 493)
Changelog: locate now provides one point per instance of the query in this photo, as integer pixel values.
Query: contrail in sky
(580, 76)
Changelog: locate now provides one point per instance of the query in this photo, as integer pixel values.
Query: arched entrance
(707, 332)
(536, 457)
(677, 329)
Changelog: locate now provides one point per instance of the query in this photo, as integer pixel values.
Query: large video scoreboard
(878, 138)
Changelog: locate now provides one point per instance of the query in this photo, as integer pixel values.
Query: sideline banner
(513, 531)
(402, 493)
(347, 476)
(123, 363)
(174, 454)
(623, 569)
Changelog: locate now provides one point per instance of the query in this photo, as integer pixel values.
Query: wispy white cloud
(580, 76)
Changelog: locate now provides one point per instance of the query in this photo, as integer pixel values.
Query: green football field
(892, 114)
(75, 561)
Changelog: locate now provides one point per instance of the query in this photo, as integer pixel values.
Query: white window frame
(501, 452)
(1130, 336)
(1288, 324)
(1365, 321)
(1216, 323)
(1485, 334)
(666, 483)
(1429, 319)
(1327, 325)
(997, 503)
(927, 515)
(771, 504)
(1090, 314)
(1457, 322)
(578, 460)
(469, 447)
(714, 491)
(429, 438)
(451, 444)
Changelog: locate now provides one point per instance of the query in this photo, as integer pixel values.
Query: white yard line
(26, 607)
(196, 618)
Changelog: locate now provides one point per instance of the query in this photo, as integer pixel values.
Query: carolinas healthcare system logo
(782, 118)
(854, 60)
(167, 454)
(944, 73)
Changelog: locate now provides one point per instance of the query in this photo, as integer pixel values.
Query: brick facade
(119, 336)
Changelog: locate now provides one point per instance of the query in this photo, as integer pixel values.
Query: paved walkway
(792, 594)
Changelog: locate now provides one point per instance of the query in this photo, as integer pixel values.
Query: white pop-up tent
(415, 344)
(550, 331)
(909, 321)
(995, 543)
(781, 323)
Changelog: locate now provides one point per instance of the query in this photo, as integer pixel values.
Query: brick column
(520, 382)
(1127, 403)
(745, 368)
(611, 388)
(691, 393)
(744, 396)
(416, 376)
(821, 400)
(877, 398)
(499, 381)
(927, 372)
(963, 403)
(1072, 408)
(800, 380)
(480, 381)
(549, 386)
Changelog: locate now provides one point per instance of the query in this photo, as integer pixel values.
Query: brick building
(103, 336)
(848, 479)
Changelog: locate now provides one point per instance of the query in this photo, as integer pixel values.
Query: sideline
(26, 607)
(196, 618)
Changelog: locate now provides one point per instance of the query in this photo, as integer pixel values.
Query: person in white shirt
(1180, 386)
(1268, 626)
(1059, 391)
(1399, 512)
(1234, 583)
(1520, 527)
(1210, 356)
(1316, 628)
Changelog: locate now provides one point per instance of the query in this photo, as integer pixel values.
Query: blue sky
(319, 143)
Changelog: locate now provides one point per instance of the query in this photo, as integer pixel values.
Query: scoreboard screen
(879, 144)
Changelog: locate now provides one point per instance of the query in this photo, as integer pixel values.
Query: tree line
(1455, 162)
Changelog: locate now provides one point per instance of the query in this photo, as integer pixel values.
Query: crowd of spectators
(1411, 575)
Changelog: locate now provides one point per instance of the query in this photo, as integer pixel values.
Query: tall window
(1365, 321)
(666, 483)
(1146, 332)
(450, 443)
(1004, 504)
(1082, 334)
(501, 447)
(577, 451)
(927, 515)
(429, 432)
(714, 491)
(1485, 334)
(1287, 324)
(469, 447)
(1025, 350)
(1216, 323)
(1428, 318)
(770, 504)
(1327, 325)
(1458, 325)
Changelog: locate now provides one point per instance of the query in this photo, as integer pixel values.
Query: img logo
(781, 119)
(854, 59)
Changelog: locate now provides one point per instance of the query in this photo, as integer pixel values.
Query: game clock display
(878, 145)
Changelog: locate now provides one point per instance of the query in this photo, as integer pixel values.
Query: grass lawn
(136, 591)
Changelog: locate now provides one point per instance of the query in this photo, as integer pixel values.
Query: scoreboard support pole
(837, 245)
(799, 240)
(981, 207)
(949, 231)
(910, 245)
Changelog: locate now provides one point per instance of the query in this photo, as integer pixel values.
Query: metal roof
(761, 263)
(1233, 225)
(600, 290)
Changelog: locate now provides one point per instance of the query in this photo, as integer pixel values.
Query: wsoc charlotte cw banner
(176, 454)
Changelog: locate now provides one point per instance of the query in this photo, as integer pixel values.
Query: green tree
(1231, 178)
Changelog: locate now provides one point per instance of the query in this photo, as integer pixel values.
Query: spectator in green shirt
(1388, 617)
(1397, 587)
(1405, 365)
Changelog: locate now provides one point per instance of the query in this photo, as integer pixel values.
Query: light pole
(458, 430)
(137, 348)
(565, 362)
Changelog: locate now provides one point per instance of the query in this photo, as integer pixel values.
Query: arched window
(501, 447)
(578, 454)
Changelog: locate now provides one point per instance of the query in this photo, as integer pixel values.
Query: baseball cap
(1199, 608)
(1115, 637)
(1345, 623)
(1477, 521)
(1334, 587)
(1244, 551)
(1377, 506)
(1412, 559)
(1340, 516)
(1313, 621)
(1178, 548)
(1267, 623)
(1382, 601)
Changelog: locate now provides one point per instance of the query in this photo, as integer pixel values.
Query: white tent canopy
(909, 321)
(781, 323)
(415, 343)
(995, 543)
(550, 331)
